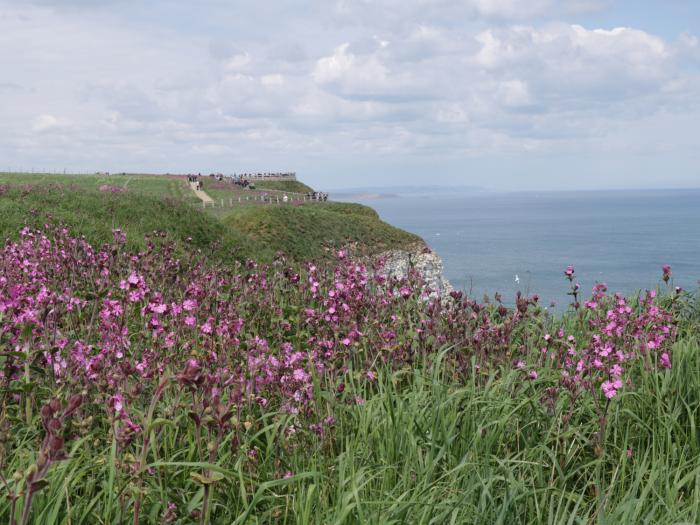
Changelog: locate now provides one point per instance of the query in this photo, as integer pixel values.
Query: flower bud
(55, 444)
(54, 425)
(74, 402)
(29, 473)
(46, 412)
(55, 405)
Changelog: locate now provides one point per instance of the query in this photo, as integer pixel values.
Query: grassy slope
(307, 231)
(283, 185)
(154, 186)
(251, 230)
(94, 214)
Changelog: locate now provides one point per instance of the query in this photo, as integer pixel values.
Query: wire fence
(295, 199)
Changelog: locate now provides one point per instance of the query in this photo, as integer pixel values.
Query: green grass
(165, 203)
(425, 450)
(311, 230)
(230, 193)
(94, 214)
(294, 186)
(151, 185)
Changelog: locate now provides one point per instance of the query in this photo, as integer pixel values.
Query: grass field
(322, 226)
(283, 185)
(140, 204)
(83, 208)
(150, 185)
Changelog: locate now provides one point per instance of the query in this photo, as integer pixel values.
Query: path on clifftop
(206, 199)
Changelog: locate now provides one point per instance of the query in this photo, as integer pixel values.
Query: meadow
(148, 205)
(158, 379)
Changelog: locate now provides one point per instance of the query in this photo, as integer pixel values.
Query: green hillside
(94, 214)
(91, 205)
(309, 231)
(293, 186)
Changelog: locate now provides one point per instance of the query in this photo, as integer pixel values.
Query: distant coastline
(374, 193)
(363, 196)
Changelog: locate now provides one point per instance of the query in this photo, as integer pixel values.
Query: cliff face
(427, 263)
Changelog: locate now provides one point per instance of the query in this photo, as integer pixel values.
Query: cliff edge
(398, 263)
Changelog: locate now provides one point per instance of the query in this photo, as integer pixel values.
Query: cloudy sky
(505, 94)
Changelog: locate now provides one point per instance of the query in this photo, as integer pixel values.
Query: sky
(502, 94)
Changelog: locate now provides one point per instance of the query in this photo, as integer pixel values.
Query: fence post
(222, 203)
(204, 204)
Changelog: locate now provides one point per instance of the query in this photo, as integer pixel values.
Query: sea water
(505, 242)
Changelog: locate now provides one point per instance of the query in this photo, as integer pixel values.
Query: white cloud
(524, 10)
(430, 79)
(46, 122)
(237, 62)
(272, 80)
(512, 8)
(334, 67)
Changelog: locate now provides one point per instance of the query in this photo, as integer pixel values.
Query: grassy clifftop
(93, 205)
(309, 231)
(283, 185)
(93, 214)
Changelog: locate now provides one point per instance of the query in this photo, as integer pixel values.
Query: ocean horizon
(508, 241)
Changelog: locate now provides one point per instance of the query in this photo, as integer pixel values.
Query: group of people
(195, 179)
(267, 175)
(317, 196)
(243, 180)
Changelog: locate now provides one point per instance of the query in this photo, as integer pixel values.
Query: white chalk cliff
(427, 263)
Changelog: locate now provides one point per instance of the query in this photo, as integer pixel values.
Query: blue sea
(621, 238)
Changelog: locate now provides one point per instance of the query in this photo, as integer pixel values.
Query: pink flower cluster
(230, 343)
(619, 333)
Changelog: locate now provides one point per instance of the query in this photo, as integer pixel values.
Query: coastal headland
(265, 355)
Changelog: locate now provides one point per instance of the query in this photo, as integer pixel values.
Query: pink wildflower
(665, 360)
(189, 304)
(610, 388)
